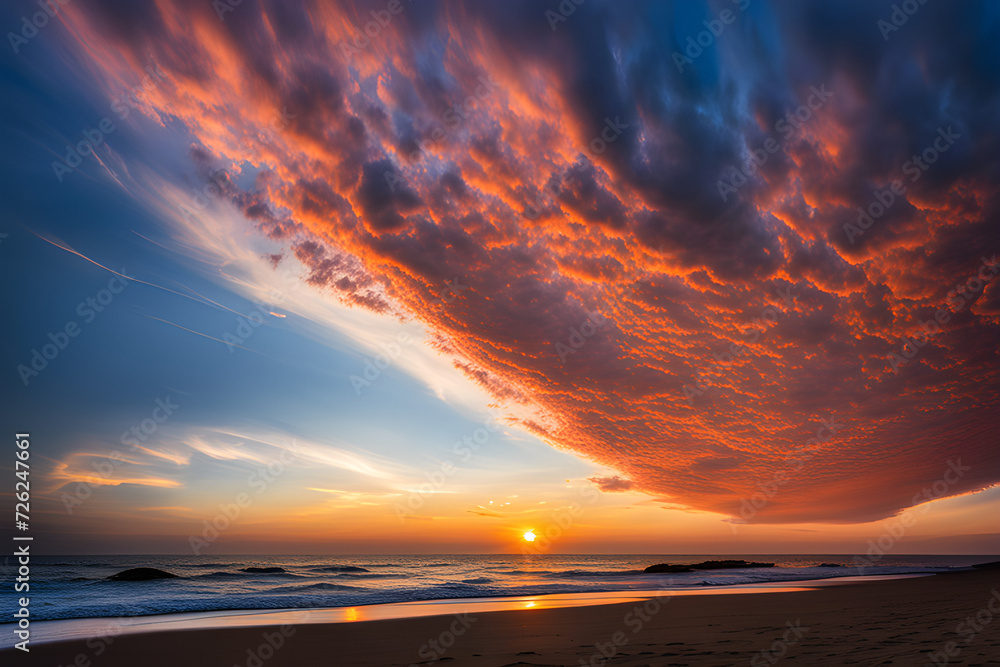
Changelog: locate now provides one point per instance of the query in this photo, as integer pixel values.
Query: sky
(414, 277)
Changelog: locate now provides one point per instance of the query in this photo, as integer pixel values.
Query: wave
(527, 572)
(595, 573)
(478, 580)
(264, 570)
(339, 568)
(242, 576)
(453, 584)
(219, 575)
(304, 588)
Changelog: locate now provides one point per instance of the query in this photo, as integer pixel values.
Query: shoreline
(70, 629)
(893, 616)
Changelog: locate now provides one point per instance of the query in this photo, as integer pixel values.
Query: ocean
(64, 587)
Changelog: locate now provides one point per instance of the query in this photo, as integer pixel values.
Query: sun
(529, 536)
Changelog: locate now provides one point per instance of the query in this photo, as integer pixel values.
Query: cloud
(164, 462)
(611, 484)
(689, 341)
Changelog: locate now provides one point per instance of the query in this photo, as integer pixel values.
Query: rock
(264, 570)
(663, 567)
(706, 565)
(727, 564)
(995, 565)
(829, 565)
(142, 574)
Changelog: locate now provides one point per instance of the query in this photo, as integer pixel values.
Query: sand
(919, 621)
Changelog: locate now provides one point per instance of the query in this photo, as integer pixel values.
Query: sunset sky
(672, 277)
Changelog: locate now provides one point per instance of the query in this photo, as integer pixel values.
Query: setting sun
(530, 536)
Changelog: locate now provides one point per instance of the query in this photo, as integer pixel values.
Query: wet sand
(949, 619)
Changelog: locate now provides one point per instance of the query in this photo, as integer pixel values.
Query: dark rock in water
(663, 567)
(727, 564)
(142, 574)
(706, 565)
(264, 570)
(995, 565)
(829, 565)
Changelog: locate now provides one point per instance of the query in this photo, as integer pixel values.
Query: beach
(951, 618)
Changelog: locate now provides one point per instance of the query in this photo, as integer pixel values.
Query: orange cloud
(697, 344)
